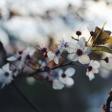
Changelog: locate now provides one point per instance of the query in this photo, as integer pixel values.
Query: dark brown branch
(56, 67)
(107, 106)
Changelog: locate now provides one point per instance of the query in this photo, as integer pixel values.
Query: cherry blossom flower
(21, 58)
(63, 78)
(79, 52)
(6, 75)
(106, 66)
(63, 45)
(93, 68)
(54, 56)
(107, 63)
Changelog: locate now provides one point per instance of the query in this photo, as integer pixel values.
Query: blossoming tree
(55, 63)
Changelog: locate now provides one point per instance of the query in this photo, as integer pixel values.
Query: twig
(33, 106)
(107, 106)
(56, 67)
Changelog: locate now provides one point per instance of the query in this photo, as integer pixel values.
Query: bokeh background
(32, 22)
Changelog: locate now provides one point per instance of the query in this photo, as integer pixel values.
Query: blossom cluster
(55, 63)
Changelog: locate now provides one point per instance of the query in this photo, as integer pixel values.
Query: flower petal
(50, 55)
(56, 60)
(90, 75)
(6, 68)
(95, 64)
(84, 59)
(82, 42)
(70, 71)
(12, 58)
(95, 70)
(57, 84)
(72, 57)
(69, 82)
(60, 72)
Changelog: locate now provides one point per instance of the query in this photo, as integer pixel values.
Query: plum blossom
(6, 75)
(106, 66)
(20, 59)
(63, 45)
(54, 56)
(63, 78)
(93, 68)
(106, 63)
(79, 52)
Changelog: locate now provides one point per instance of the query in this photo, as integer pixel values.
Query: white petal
(95, 70)
(70, 72)
(8, 79)
(1, 72)
(71, 56)
(57, 85)
(90, 75)
(84, 59)
(82, 42)
(5, 80)
(56, 60)
(63, 80)
(6, 68)
(105, 65)
(69, 82)
(60, 72)
(12, 58)
(50, 55)
(95, 64)
(30, 80)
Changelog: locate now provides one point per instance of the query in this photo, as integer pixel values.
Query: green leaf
(102, 48)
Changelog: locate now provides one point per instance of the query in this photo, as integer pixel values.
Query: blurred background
(32, 22)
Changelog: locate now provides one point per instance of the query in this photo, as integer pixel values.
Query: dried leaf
(102, 48)
(100, 36)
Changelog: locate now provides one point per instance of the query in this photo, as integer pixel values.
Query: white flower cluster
(49, 63)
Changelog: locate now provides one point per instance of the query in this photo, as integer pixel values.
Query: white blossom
(79, 52)
(21, 57)
(106, 63)
(6, 75)
(64, 78)
(93, 68)
(54, 56)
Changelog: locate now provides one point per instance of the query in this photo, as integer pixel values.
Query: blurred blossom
(30, 80)
(6, 75)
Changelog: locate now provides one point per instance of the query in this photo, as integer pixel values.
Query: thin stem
(75, 38)
(107, 106)
(56, 67)
(33, 106)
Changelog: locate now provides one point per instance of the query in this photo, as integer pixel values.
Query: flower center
(6, 74)
(44, 52)
(66, 45)
(28, 57)
(90, 68)
(19, 58)
(57, 52)
(20, 52)
(79, 52)
(78, 33)
(106, 60)
(63, 75)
